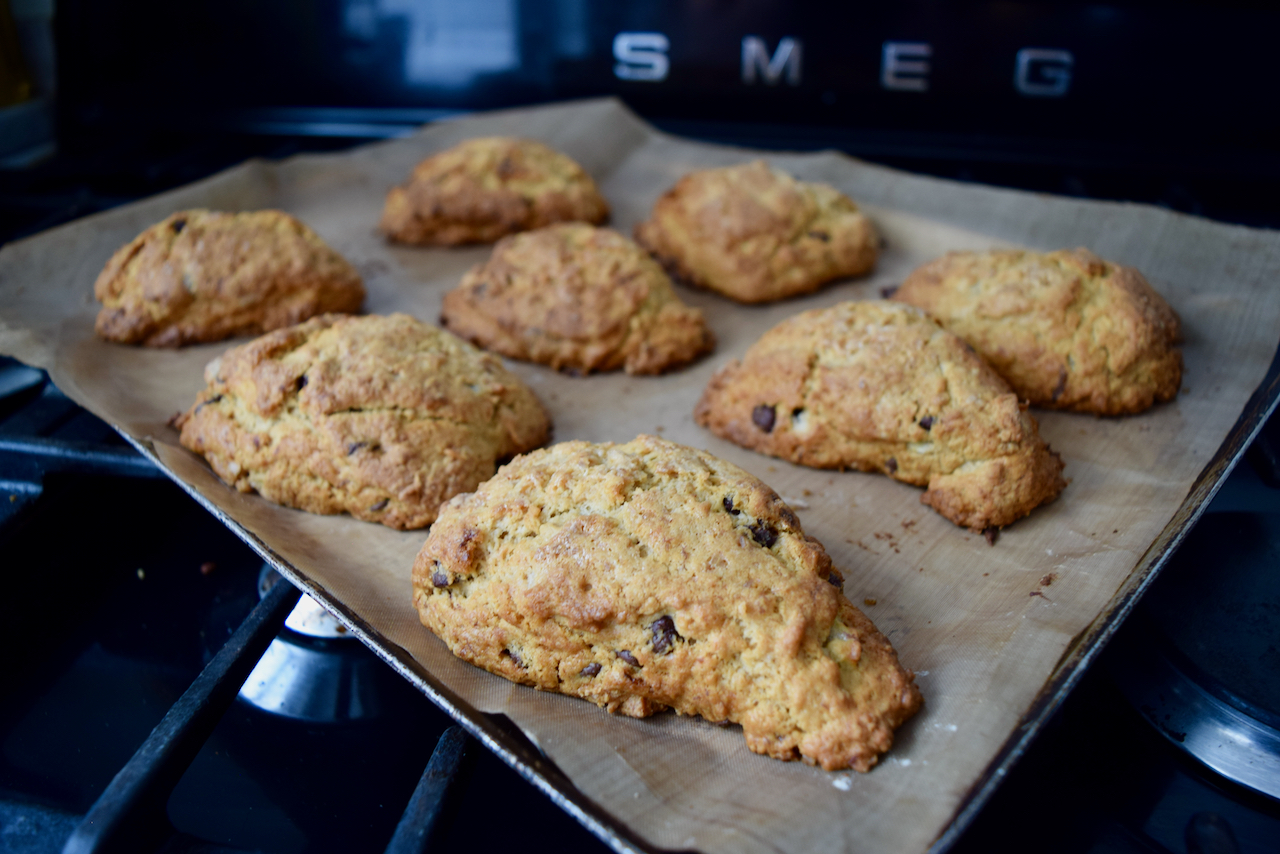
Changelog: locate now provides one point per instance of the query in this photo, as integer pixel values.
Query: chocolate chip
(927, 422)
(889, 291)
(664, 634)
(728, 505)
(302, 382)
(991, 533)
(891, 465)
(381, 505)
(820, 235)
(625, 655)
(440, 579)
(355, 446)
(177, 225)
(763, 417)
(515, 659)
(204, 403)
(835, 579)
(1061, 386)
(590, 671)
(764, 534)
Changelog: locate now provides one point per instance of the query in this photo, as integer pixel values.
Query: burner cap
(1199, 658)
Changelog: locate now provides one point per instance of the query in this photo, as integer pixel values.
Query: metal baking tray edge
(525, 759)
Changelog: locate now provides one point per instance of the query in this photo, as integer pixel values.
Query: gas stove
(299, 739)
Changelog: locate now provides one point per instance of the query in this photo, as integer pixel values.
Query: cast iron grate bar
(423, 818)
(130, 814)
(31, 457)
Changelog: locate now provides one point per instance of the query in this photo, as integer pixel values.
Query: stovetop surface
(119, 588)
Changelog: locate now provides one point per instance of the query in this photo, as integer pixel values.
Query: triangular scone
(382, 417)
(649, 575)
(756, 234)
(1066, 329)
(577, 298)
(201, 276)
(880, 386)
(482, 189)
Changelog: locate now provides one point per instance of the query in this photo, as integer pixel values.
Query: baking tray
(998, 635)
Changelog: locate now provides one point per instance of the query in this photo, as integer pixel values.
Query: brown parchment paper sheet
(983, 627)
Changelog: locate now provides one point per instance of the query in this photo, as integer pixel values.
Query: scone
(1066, 329)
(648, 576)
(485, 188)
(756, 234)
(880, 386)
(384, 418)
(203, 276)
(577, 298)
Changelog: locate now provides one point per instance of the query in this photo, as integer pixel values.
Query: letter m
(757, 63)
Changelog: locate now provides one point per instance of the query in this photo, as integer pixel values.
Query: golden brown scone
(1066, 329)
(384, 418)
(577, 298)
(203, 276)
(648, 576)
(756, 234)
(485, 188)
(880, 386)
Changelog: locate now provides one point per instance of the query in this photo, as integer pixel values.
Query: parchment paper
(982, 626)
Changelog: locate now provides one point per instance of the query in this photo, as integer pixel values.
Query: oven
(166, 692)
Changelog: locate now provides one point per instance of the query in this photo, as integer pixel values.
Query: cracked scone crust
(648, 576)
(881, 386)
(577, 298)
(203, 276)
(756, 234)
(384, 418)
(1066, 329)
(485, 188)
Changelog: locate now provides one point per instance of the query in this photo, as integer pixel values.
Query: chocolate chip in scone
(764, 534)
(204, 403)
(820, 235)
(381, 505)
(728, 506)
(177, 225)
(302, 382)
(355, 446)
(991, 534)
(515, 658)
(763, 417)
(664, 634)
(1061, 386)
(835, 579)
(590, 671)
(891, 465)
(625, 655)
(440, 579)
(889, 291)
(927, 422)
